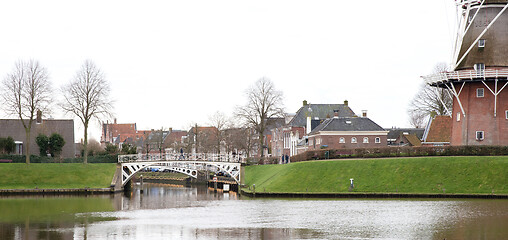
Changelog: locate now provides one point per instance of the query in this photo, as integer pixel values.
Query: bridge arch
(190, 168)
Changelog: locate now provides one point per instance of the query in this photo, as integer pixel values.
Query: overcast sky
(175, 63)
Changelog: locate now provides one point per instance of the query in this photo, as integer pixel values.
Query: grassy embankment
(478, 174)
(56, 176)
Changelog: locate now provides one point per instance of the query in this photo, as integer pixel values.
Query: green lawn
(476, 174)
(56, 175)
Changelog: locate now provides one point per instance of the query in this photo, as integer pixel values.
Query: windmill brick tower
(478, 81)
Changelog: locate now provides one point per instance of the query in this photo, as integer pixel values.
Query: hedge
(39, 159)
(401, 152)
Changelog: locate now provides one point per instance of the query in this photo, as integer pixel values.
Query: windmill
(480, 73)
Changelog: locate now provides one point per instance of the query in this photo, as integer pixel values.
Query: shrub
(402, 152)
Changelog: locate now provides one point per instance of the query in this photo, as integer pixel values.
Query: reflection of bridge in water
(190, 165)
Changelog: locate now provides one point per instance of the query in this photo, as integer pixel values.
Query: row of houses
(312, 126)
(336, 126)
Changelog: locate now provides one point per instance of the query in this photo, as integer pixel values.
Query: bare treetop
(430, 100)
(25, 91)
(263, 102)
(87, 95)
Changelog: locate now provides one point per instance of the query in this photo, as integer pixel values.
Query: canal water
(164, 211)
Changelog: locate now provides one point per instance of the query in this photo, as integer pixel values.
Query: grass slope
(55, 176)
(477, 174)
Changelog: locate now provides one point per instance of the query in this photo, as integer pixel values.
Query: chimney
(346, 102)
(364, 113)
(115, 121)
(39, 117)
(335, 113)
(304, 102)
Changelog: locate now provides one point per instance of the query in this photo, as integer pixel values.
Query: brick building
(290, 139)
(478, 81)
(15, 129)
(347, 132)
(119, 133)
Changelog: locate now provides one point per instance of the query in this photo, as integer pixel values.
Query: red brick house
(290, 139)
(347, 132)
(118, 133)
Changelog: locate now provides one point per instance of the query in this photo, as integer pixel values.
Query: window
(479, 135)
(458, 117)
(365, 140)
(480, 92)
(480, 68)
(318, 140)
(342, 140)
(481, 43)
(353, 140)
(378, 140)
(506, 113)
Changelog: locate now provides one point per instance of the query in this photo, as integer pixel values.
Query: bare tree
(87, 97)
(417, 119)
(430, 99)
(155, 140)
(263, 102)
(25, 91)
(220, 122)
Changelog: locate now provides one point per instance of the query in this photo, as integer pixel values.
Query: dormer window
(481, 43)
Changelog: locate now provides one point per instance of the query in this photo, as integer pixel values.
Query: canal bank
(56, 178)
(443, 177)
(371, 195)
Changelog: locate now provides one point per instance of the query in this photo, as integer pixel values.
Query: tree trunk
(261, 141)
(85, 145)
(27, 147)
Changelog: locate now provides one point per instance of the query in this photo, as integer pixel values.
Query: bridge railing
(181, 157)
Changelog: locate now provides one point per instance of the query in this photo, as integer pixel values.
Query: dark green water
(177, 212)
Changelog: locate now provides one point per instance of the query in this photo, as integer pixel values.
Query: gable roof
(413, 140)
(394, 133)
(439, 129)
(321, 111)
(272, 123)
(347, 124)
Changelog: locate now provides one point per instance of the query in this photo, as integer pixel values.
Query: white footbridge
(131, 164)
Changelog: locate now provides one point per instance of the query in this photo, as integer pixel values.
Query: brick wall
(333, 141)
(480, 116)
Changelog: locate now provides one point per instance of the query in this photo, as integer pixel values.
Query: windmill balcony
(465, 75)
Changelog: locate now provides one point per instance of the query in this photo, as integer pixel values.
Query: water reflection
(164, 211)
(37, 217)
